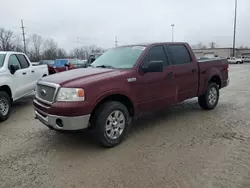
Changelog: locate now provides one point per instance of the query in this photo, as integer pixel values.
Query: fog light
(59, 123)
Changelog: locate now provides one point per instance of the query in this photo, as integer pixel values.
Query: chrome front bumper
(63, 122)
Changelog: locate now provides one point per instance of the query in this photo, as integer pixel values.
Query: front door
(155, 90)
(186, 71)
(29, 72)
(19, 79)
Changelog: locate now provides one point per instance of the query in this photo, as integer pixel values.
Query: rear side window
(23, 61)
(179, 54)
(157, 53)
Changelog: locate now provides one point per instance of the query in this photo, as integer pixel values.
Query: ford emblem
(43, 92)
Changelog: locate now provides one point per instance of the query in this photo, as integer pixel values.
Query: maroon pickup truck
(124, 82)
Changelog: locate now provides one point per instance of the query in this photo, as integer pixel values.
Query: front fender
(114, 92)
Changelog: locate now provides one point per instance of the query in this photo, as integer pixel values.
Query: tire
(238, 62)
(210, 99)
(5, 106)
(104, 128)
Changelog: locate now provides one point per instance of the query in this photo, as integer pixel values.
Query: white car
(234, 60)
(18, 78)
(245, 59)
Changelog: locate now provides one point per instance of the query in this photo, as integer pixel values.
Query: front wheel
(5, 106)
(210, 99)
(111, 123)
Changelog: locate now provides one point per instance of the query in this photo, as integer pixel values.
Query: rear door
(185, 69)
(155, 90)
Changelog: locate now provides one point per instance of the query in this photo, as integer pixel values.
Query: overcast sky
(132, 21)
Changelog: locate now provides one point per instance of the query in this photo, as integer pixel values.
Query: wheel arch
(120, 97)
(216, 79)
(7, 89)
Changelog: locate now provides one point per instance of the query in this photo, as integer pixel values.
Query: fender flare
(113, 92)
(210, 77)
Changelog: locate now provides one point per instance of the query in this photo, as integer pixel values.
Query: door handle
(32, 71)
(194, 70)
(24, 73)
(170, 74)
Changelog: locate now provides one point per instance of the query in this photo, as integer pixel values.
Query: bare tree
(200, 45)
(18, 44)
(6, 40)
(243, 47)
(50, 49)
(84, 51)
(61, 53)
(212, 45)
(80, 53)
(36, 47)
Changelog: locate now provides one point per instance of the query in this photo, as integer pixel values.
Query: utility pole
(24, 41)
(172, 25)
(116, 42)
(77, 48)
(235, 20)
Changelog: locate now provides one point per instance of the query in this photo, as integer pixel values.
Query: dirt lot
(183, 146)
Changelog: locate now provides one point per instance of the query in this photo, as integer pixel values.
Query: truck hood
(83, 74)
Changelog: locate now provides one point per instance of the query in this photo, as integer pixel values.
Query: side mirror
(13, 69)
(153, 66)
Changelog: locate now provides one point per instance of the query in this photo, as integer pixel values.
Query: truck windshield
(2, 57)
(120, 58)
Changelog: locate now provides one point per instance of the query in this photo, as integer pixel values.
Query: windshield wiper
(105, 66)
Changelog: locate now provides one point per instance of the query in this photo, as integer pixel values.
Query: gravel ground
(183, 146)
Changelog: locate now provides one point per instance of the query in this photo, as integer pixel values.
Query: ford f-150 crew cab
(124, 82)
(17, 79)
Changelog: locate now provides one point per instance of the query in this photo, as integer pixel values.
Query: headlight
(70, 94)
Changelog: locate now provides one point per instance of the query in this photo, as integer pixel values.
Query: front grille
(46, 93)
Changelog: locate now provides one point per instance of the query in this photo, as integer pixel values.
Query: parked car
(125, 82)
(18, 78)
(245, 59)
(234, 60)
(92, 58)
(49, 64)
(61, 65)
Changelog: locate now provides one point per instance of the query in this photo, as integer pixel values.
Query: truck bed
(212, 66)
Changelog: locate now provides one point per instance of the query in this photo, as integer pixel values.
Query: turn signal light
(81, 93)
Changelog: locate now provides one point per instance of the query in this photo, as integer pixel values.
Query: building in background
(220, 52)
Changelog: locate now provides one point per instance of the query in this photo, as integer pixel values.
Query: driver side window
(157, 53)
(14, 61)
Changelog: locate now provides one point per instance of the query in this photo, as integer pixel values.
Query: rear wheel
(210, 99)
(5, 106)
(111, 122)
